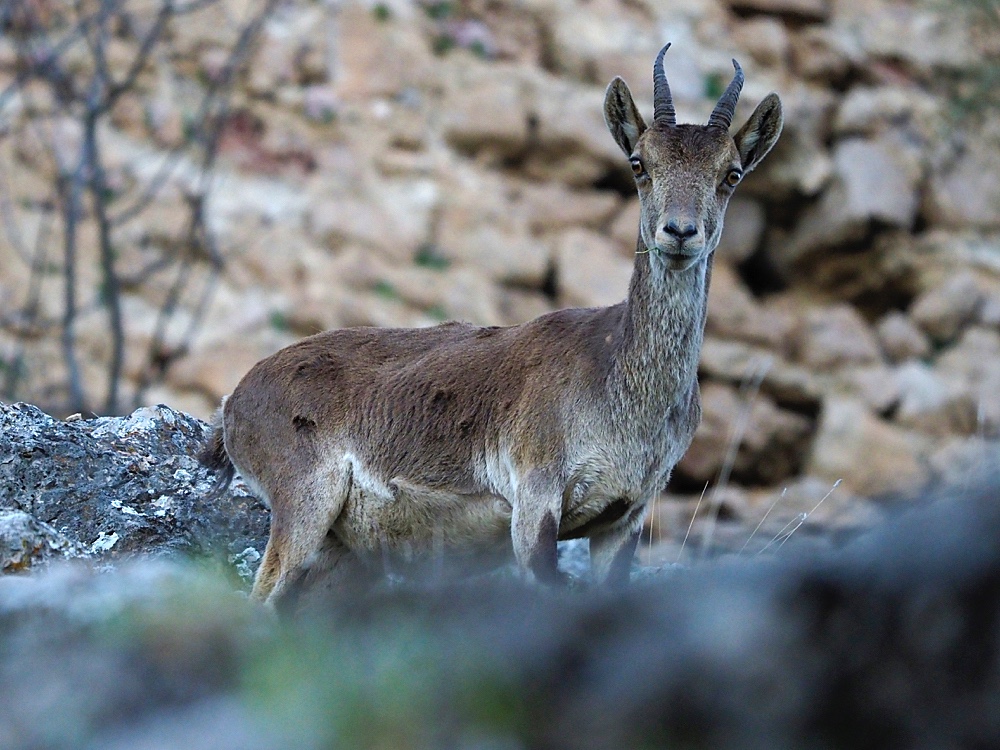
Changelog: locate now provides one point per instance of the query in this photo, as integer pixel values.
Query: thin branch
(82, 187)
(29, 312)
(218, 88)
(70, 194)
(111, 287)
(38, 66)
(10, 225)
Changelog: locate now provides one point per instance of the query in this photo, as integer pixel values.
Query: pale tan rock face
(934, 403)
(768, 442)
(399, 163)
(589, 272)
(835, 337)
(944, 310)
(215, 373)
(974, 363)
(966, 193)
(901, 339)
(734, 313)
(765, 38)
(873, 181)
(870, 456)
(485, 110)
(743, 231)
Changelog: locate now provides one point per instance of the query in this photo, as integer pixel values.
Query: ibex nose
(682, 230)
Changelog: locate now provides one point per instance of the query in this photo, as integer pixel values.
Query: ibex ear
(622, 117)
(760, 133)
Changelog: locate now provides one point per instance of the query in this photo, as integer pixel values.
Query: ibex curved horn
(722, 115)
(663, 103)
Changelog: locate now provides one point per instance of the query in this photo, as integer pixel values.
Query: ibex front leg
(535, 526)
(612, 550)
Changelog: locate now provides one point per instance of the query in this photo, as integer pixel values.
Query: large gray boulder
(117, 486)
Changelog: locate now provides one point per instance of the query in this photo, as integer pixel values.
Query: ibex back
(373, 444)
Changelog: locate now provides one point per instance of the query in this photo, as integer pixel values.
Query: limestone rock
(215, 371)
(824, 54)
(373, 58)
(800, 164)
(801, 10)
(479, 224)
(589, 273)
(452, 294)
(915, 35)
(943, 311)
(874, 181)
(876, 385)
(738, 362)
(733, 313)
(117, 486)
(806, 505)
(485, 110)
(933, 404)
(956, 459)
(966, 193)
(743, 230)
(395, 219)
(571, 143)
(551, 207)
(867, 110)
(837, 336)
(601, 40)
(974, 361)
(900, 338)
(772, 441)
(765, 38)
(870, 456)
(26, 542)
(789, 654)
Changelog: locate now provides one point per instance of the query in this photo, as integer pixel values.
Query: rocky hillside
(402, 163)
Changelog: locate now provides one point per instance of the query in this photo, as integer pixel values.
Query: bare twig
(86, 92)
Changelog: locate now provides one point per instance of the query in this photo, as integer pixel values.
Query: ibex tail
(213, 456)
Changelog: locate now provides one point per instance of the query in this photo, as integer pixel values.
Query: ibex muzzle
(372, 445)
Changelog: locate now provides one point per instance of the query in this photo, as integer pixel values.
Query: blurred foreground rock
(892, 641)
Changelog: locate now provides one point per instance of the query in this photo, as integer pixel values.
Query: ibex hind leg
(301, 516)
(336, 575)
(267, 573)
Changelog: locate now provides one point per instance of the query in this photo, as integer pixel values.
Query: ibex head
(685, 174)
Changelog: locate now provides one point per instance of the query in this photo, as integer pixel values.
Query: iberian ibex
(370, 443)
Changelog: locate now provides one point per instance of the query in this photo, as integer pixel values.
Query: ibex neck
(663, 327)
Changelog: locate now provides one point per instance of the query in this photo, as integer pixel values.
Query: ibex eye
(734, 177)
(637, 168)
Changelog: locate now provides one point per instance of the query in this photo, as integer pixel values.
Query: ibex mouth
(678, 261)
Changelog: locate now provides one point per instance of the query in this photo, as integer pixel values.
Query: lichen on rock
(113, 487)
